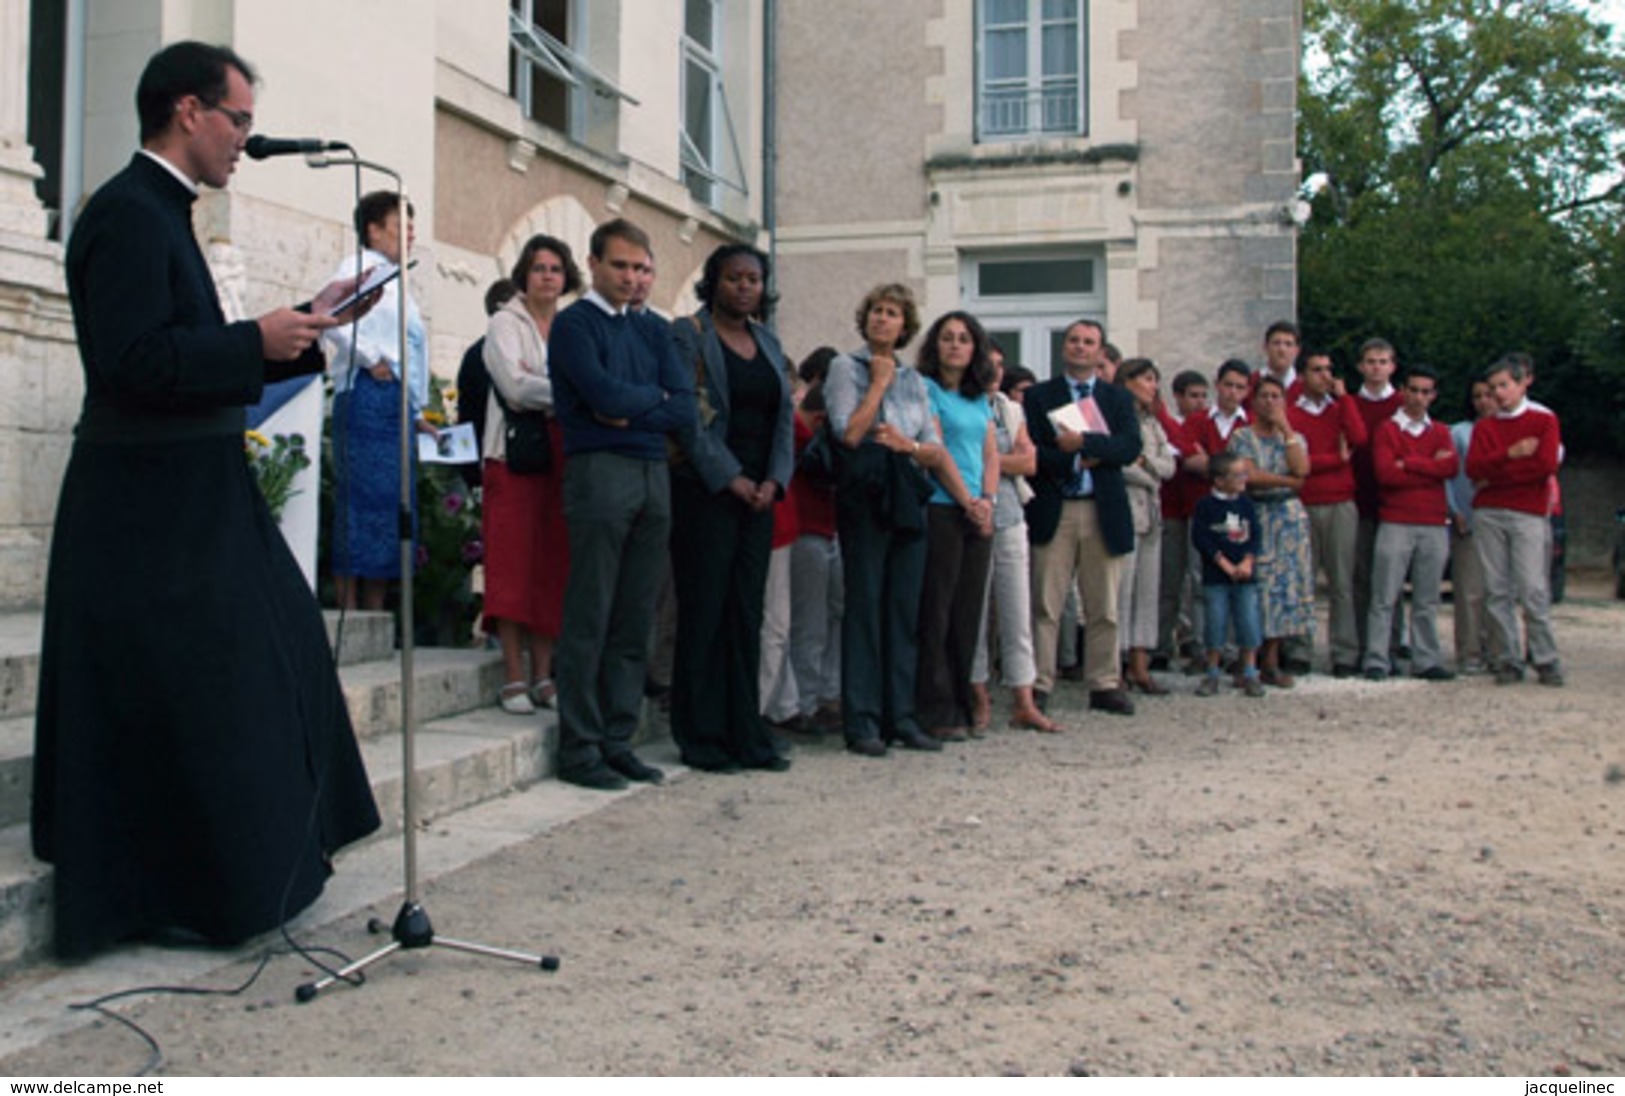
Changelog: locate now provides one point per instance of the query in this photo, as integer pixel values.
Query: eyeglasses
(242, 119)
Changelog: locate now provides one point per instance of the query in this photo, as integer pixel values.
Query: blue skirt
(367, 487)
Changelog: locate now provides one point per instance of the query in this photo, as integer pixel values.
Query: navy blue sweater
(616, 367)
(1227, 527)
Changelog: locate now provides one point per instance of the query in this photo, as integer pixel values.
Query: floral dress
(1284, 568)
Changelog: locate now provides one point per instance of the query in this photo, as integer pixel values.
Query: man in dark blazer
(1078, 519)
(195, 766)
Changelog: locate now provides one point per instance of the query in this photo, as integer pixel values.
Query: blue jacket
(1115, 450)
(704, 439)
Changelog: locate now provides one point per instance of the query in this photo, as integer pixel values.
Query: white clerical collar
(1414, 427)
(180, 176)
(1314, 406)
(598, 299)
(1386, 393)
(1523, 405)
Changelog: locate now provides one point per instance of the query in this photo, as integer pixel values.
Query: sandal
(543, 694)
(515, 698)
(1034, 720)
(1278, 679)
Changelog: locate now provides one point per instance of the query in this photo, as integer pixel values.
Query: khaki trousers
(1077, 548)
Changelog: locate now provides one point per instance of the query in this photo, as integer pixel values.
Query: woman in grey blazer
(730, 467)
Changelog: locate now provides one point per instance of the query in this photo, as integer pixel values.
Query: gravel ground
(1347, 878)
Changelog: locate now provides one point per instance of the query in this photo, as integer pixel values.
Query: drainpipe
(73, 116)
(770, 147)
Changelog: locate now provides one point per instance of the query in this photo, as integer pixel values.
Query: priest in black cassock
(194, 764)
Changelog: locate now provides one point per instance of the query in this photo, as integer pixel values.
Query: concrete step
(448, 681)
(16, 768)
(19, 662)
(368, 637)
(461, 760)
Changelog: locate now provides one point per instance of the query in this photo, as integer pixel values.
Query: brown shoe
(1031, 719)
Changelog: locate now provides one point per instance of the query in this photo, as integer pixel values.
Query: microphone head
(259, 147)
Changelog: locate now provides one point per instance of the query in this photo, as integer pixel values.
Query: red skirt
(527, 549)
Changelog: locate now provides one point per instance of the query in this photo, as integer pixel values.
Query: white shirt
(1385, 392)
(1414, 427)
(1227, 423)
(377, 337)
(1315, 407)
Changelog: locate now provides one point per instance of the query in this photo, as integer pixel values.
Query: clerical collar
(1387, 392)
(180, 176)
(598, 299)
(1414, 427)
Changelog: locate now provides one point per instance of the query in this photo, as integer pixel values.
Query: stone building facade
(1040, 160)
(1033, 160)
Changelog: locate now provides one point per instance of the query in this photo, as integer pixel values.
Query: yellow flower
(257, 438)
(434, 418)
(448, 393)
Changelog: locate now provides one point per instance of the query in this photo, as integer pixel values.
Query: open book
(1082, 417)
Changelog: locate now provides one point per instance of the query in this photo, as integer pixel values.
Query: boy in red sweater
(1377, 400)
(1511, 459)
(1179, 595)
(1412, 457)
(1330, 423)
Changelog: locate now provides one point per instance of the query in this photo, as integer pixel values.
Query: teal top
(964, 431)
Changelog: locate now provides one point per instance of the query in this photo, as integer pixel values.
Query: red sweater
(814, 502)
(1203, 432)
(1331, 475)
(1506, 483)
(1414, 494)
(1179, 494)
(1372, 412)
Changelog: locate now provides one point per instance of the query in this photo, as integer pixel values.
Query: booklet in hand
(1083, 417)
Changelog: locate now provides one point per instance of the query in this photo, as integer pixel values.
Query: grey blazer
(705, 441)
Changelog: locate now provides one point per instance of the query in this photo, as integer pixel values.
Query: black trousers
(884, 568)
(951, 603)
(719, 557)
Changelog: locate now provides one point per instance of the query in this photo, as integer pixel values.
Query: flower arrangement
(449, 543)
(276, 461)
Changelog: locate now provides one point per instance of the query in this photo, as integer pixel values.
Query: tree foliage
(1470, 155)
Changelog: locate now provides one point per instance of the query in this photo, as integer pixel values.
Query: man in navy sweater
(618, 390)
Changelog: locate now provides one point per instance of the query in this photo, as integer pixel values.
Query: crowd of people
(862, 545)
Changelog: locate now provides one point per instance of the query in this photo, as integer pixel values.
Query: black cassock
(194, 763)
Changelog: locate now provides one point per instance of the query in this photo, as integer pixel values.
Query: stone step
(368, 637)
(19, 662)
(448, 680)
(461, 760)
(16, 768)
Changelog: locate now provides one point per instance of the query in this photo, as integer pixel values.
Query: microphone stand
(411, 929)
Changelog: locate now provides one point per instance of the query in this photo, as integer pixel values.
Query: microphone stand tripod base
(410, 931)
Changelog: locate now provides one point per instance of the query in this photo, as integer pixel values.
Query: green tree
(1467, 148)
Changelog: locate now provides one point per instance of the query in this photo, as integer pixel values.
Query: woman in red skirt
(526, 549)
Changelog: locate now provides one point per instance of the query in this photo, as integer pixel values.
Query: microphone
(259, 147)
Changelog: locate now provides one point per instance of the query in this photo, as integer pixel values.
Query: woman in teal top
(959, 523)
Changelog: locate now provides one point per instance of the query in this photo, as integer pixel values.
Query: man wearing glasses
(194, 764)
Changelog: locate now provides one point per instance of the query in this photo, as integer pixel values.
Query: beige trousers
(1077, 548)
